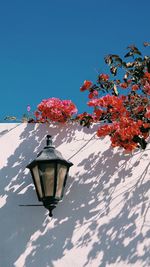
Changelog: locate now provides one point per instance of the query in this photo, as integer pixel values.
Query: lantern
(49, 172)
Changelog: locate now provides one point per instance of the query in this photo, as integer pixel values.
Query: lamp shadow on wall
(88, 202)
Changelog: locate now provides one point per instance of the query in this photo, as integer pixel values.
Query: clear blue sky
(48, 48)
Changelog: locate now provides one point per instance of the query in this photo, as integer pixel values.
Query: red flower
(54, 109)
(98, 113)
(146, 125)
(93, 94)
(147, 75)
(138, 109)
(146, 87)
(135, 87)
(86, 86)
(129, 81)
(147, 114)
(145, 135)
(104, 130)
(94, 102)
(123, 85)
(104, 77)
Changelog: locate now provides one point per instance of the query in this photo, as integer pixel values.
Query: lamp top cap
(49, 141)
(49, 153)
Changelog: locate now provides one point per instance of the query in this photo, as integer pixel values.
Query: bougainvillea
(125, 117)
(120, 106)
(54, 109)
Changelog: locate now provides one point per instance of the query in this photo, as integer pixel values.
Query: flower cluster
(124, 117)
(111, 106)
(123, 133)
(54, 109)
(122, 128)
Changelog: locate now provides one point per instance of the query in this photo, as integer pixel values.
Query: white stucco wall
(104, 218)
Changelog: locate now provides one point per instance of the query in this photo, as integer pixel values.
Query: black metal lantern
(49, 172)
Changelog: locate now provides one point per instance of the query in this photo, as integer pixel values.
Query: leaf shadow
(96, 212)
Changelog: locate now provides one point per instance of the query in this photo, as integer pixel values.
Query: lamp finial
(49, 140)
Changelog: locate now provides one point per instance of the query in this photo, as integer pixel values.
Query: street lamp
(49, 172)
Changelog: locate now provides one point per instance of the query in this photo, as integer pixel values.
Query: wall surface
(104, 218)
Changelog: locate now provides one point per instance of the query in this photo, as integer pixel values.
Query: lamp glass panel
(61, 174)
(37, 180)
(47, 173)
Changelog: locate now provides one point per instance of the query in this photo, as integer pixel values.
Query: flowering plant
(122, 106)
(54, 109)
(126, 117)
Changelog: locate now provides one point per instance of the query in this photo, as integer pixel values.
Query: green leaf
(147, 63)
(10, 118)
(138, 59)
(24, 118)
(124, 64)
(129, 54)
(126, 76)
(113, 70)
(140, 140)
(108, 60)
(136, 51)
(130, 64)
(117, 58)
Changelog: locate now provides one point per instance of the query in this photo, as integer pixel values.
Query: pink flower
(28, 108)
(55, 109)
(146, 87)
(147, 114)
(93, 102)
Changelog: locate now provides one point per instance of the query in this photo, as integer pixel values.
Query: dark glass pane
(47, 172)
(37, 180)
(61, 174)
